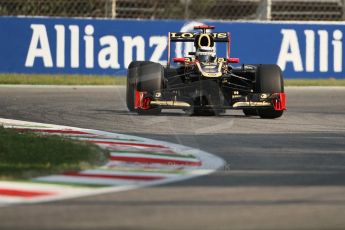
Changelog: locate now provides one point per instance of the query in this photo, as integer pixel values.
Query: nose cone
(210, 69)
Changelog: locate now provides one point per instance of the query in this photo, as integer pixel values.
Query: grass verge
(25, 155)
(38, 79)
(315, 82)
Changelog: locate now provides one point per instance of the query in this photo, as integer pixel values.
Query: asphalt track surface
(287, 173)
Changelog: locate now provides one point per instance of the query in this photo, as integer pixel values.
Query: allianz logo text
(323, 50)
(74, 46)
(102, 53)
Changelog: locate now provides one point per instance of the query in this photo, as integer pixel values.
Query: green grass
(25, 155)
(40, 79)
(315, 82)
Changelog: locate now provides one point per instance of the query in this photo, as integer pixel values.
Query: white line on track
(114, 176)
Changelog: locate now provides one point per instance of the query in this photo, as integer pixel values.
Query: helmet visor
(206, 57)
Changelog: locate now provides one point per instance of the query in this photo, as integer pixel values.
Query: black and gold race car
(204, 84)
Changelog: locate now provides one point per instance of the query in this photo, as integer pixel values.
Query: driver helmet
(205, 54)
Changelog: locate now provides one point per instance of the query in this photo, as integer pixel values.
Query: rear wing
(190, 37)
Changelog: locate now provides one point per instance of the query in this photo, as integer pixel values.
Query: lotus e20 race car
(204, 84)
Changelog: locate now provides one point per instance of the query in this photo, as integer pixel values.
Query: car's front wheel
(132, 78)
(150, 80)
(269, 79)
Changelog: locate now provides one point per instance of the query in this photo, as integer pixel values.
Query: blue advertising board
(106, 47)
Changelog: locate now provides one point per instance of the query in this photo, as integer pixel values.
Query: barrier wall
(97, 46)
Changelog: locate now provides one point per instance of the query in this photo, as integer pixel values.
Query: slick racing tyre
(150, 80)
(250, 112)
(132, 77)
(269, 79)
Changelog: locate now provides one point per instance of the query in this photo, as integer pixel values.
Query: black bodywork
(207, 87)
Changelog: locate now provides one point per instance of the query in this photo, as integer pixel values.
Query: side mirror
(181, 60)
(232, 60)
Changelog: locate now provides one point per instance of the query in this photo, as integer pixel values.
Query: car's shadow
(171, 114)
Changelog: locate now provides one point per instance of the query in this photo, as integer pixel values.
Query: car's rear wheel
(150, 80)
(250, 112)
(269, 79)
